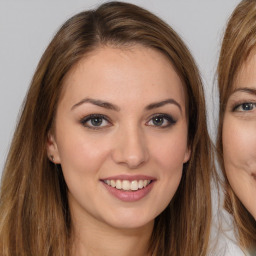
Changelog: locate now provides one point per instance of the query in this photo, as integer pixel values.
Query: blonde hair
(34, 212)
(238, 43)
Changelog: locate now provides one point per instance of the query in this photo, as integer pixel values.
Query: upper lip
(129, 177)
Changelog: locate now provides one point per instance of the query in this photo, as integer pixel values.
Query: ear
(187, 154)
(52, 149)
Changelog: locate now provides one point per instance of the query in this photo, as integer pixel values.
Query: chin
(130, 221)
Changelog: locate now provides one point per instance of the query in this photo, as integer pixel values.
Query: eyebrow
(246, 90)
(111, 106)
(162, 103)
(100, 103)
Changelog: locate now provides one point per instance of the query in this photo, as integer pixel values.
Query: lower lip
(129, 196)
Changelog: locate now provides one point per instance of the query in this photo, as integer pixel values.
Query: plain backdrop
(27, 26)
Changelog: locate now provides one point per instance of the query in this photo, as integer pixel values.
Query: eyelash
(236, 106)
(85, 120)
(166, 117)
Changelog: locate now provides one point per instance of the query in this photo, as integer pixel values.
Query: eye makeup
(161, 121)
(100, 121)
(95, 121)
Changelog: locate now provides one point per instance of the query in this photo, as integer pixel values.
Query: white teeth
(113, 183)
(126, 185)
(118, 184)
(134, 185)
(141, 184)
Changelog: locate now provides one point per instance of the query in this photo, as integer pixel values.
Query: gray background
(27, 26)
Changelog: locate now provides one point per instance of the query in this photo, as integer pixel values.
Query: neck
(92, 238)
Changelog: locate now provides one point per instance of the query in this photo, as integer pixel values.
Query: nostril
(135, 161)
(130, 148)
(132, 160)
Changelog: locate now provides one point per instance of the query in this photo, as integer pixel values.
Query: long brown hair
(238, 43)
(34, 212)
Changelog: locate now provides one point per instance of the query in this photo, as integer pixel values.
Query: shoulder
(232, 247)
(223, 235)
(233, 250)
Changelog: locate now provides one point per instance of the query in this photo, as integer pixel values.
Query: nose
(130, 148)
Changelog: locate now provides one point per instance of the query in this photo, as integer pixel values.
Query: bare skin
(239, 136)
(121, 139)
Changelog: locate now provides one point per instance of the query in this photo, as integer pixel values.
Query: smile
(128, 185)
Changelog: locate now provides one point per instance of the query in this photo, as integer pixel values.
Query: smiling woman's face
(121, 136)
(239, 136)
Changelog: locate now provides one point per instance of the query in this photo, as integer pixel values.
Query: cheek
(80, 153)
(239, 143)
(169, 152)
(168, 155)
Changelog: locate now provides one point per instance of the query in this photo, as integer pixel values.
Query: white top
(223, 240)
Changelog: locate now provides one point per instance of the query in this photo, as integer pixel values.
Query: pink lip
(129, 196)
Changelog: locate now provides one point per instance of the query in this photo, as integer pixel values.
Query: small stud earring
(52, 158)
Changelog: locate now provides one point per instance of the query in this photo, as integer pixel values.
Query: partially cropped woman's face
(239, 136)
(121, 136)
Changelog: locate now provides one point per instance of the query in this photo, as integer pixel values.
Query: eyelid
(239, 98)
(236, 105)
(168, 118)
(171, 121)
(87, 118)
